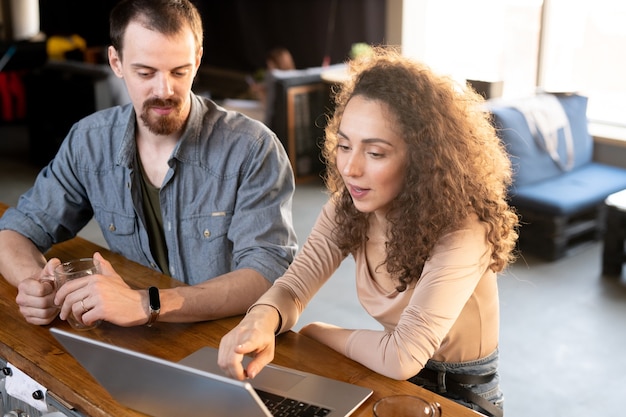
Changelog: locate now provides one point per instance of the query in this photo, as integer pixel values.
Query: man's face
(158, 72)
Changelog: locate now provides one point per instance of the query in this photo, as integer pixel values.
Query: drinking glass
(77, 268)
(405, 406)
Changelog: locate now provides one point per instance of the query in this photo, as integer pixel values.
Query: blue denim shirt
(226, 199)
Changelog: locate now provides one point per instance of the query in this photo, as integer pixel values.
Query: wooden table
(34, 350)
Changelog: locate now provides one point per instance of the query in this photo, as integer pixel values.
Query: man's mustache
(158, 102)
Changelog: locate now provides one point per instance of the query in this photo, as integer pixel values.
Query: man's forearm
(227, 295)
(19, 257)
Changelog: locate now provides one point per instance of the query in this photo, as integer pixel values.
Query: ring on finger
(83, 305)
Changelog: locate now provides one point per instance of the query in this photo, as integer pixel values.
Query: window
(583, 50)
(582, 46)
(485, 40)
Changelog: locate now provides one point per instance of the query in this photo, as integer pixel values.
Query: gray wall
(612, 152)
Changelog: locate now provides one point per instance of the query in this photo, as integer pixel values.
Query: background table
(613, 255)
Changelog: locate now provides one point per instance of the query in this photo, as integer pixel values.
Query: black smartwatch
(154, 305)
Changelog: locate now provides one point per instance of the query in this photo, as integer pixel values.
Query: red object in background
(12, 96)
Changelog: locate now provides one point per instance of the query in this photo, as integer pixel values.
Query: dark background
(237, 36)
(239, 33)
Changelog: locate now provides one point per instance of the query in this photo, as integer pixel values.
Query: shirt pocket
(206, 250)
(120, 232)
(208, 228)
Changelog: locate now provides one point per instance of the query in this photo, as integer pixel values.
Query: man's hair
(168, 17)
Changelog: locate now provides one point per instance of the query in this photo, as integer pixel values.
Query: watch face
(155, 301)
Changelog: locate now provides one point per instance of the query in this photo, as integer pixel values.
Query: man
(175, 182)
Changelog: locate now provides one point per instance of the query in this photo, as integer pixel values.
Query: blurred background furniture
(297, 105)
(613, 254)
(60, 93)
(558, 189)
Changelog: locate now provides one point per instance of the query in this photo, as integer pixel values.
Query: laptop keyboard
(281, 406)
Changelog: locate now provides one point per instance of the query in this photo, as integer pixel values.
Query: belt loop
(441, 381)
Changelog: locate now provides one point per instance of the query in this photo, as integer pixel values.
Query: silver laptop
(196, 386)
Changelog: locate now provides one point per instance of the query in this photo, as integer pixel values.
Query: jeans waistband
(459, 378)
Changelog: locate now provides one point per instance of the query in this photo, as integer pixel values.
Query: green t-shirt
(154, 222)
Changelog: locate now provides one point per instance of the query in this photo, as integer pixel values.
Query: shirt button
(112, 227)
(206, 233)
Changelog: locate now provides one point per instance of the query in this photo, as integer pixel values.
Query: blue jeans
(484, 366)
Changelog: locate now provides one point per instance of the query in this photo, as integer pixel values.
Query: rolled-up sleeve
(262, 226)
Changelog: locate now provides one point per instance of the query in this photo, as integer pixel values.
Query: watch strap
(154, 305)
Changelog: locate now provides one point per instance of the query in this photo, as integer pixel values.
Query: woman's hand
(254, 335)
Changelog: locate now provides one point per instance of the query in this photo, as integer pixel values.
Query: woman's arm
(279, 308)
(447, 283)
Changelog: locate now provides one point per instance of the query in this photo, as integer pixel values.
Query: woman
(418, 180)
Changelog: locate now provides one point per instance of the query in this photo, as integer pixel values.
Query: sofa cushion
(571, 192)
(531, 162)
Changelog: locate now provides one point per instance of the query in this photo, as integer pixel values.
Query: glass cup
(77, 268)
(405, 406)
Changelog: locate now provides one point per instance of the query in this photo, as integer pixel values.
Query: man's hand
(35, 295)
(105, 296)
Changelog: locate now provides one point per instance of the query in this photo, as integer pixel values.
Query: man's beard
(162, 125)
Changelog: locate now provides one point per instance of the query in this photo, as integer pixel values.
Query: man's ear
(199, 57)
(115, 62)
(198, 62)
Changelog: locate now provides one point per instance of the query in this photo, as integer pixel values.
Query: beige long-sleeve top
(451, 314)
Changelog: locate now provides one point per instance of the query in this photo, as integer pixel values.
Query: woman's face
(371, 155)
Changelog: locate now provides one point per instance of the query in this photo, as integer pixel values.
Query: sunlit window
(527, 45)
(485, 40)
(585, 50)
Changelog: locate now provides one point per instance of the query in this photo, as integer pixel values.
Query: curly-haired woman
(418, 181)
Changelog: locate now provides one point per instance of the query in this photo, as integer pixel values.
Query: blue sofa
(559, 196)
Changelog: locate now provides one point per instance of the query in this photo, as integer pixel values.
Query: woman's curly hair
(456, 165)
